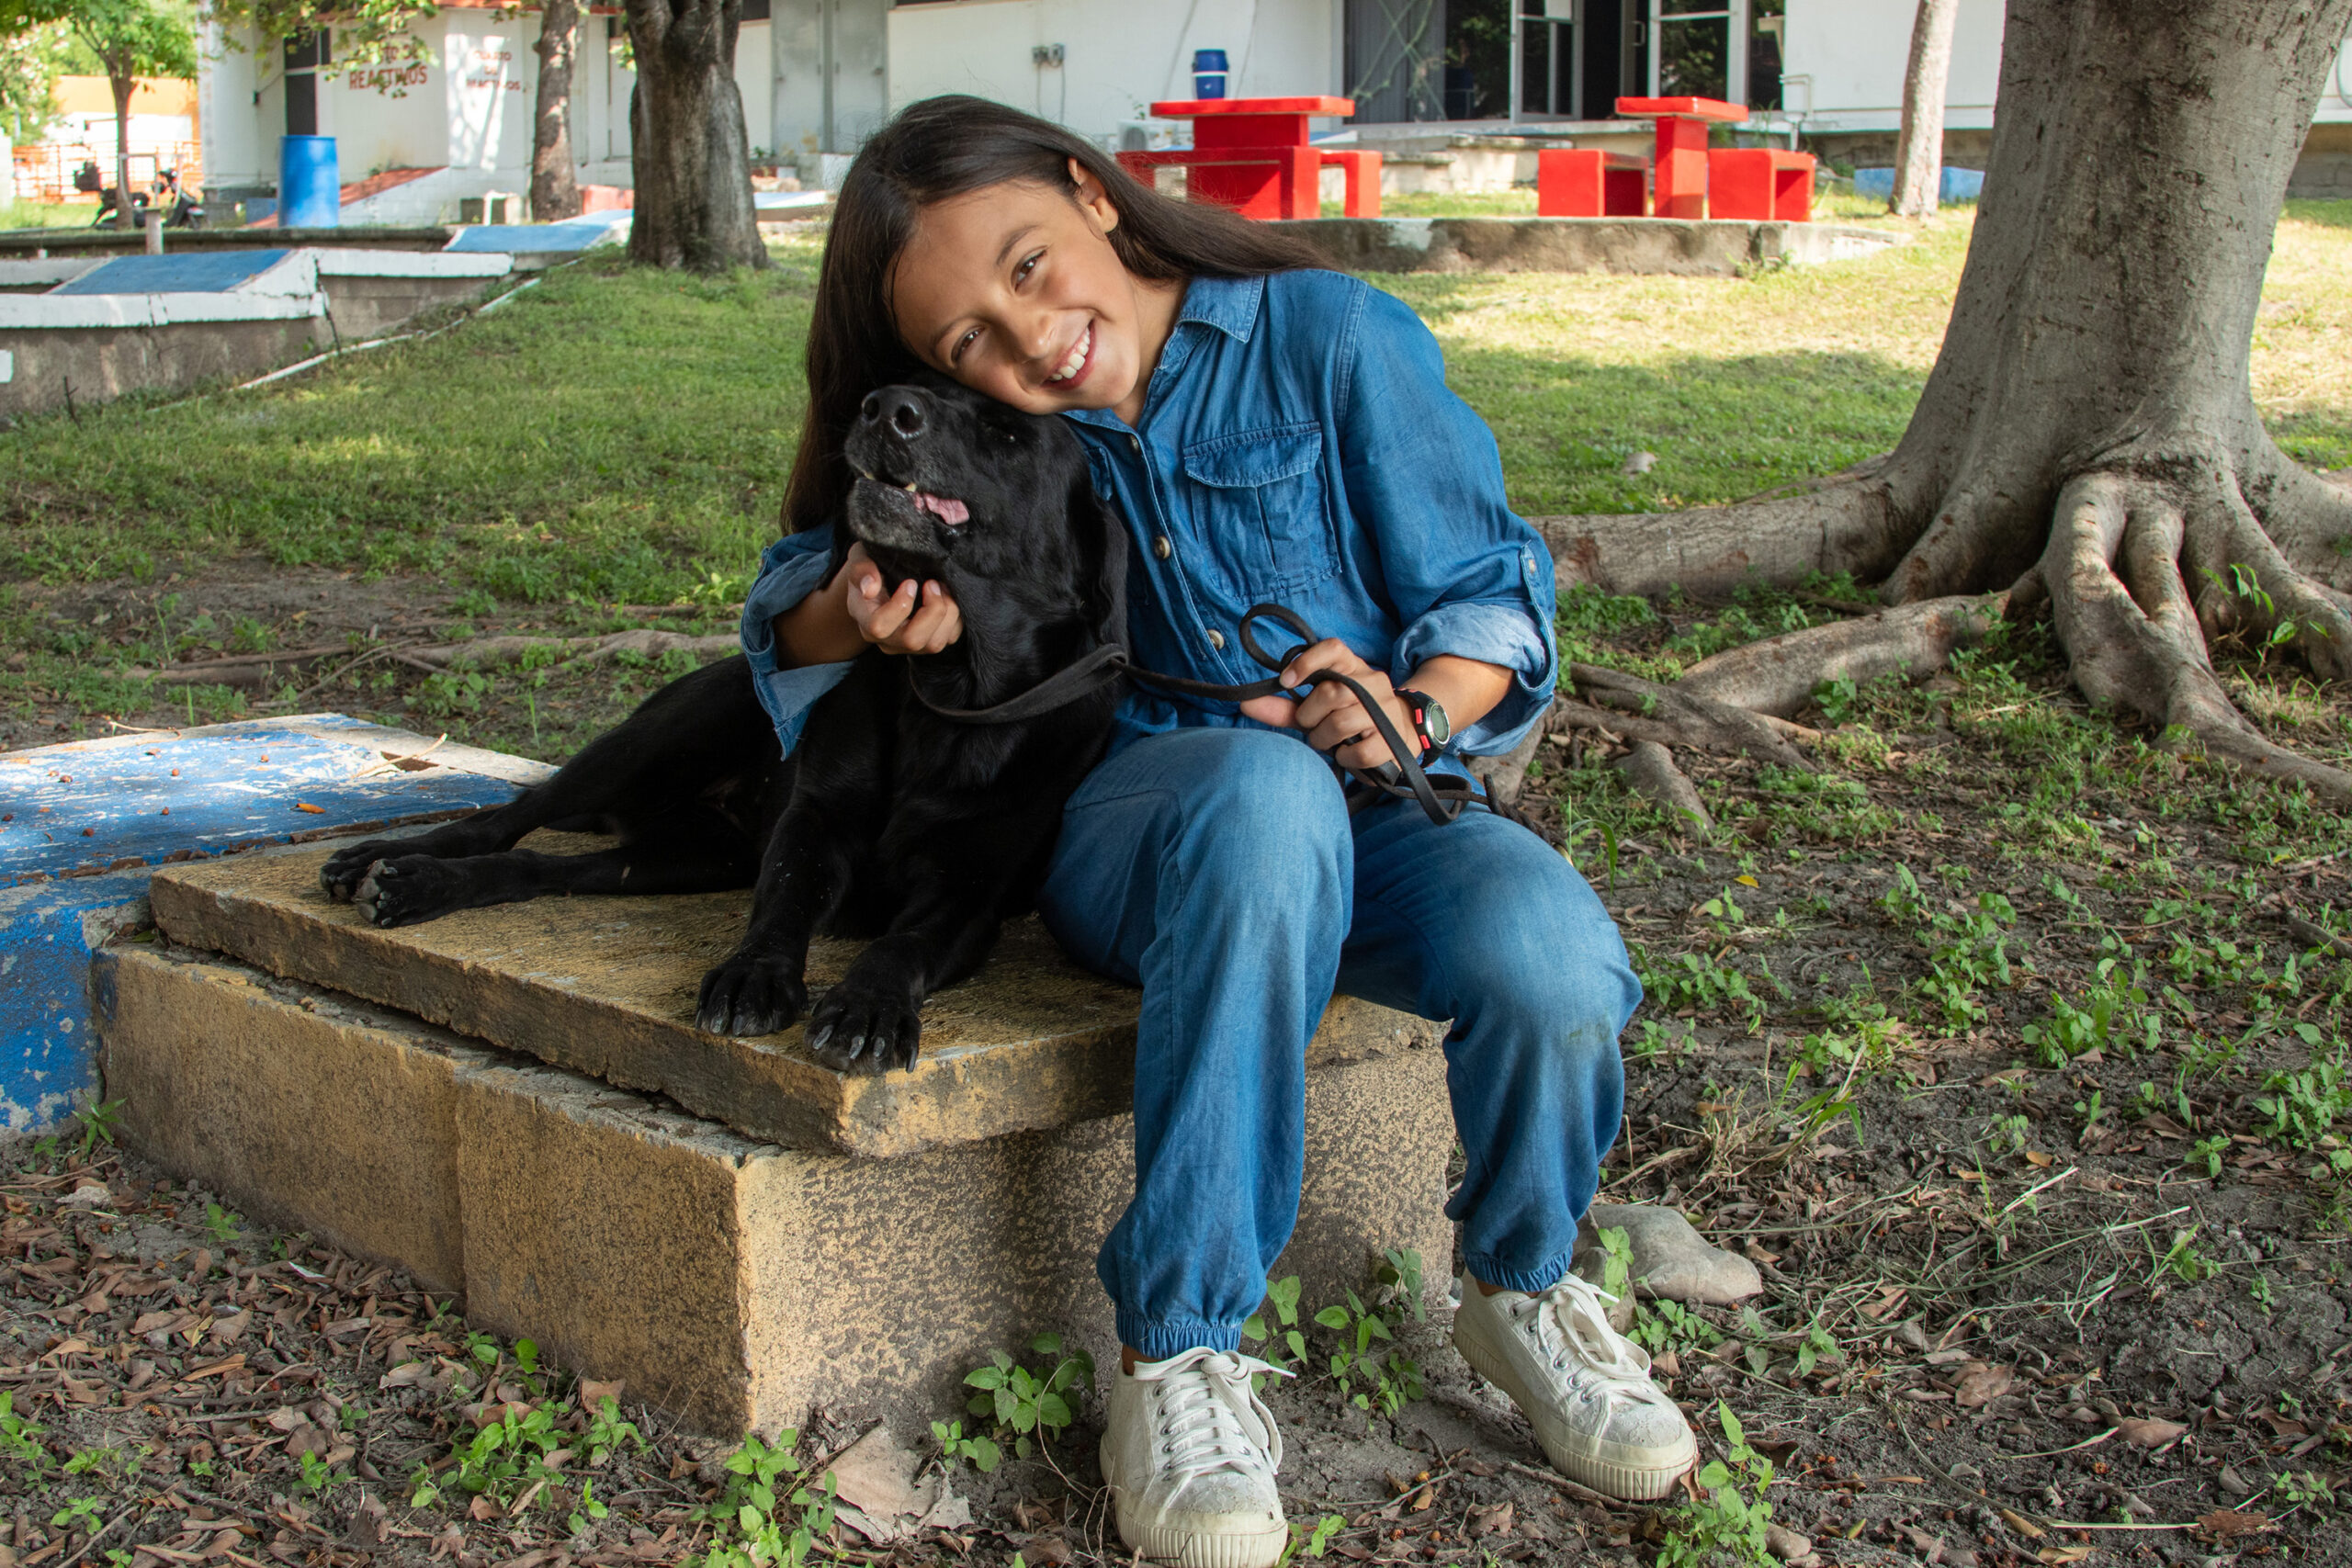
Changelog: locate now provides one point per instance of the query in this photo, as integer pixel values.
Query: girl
(1270, 432)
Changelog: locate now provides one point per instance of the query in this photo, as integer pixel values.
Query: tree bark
(691, 155)
(1919, 147)
(2087, 440)
(554, 183)
(123, 85)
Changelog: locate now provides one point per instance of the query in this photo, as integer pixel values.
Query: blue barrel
(309, 194)
(1208, 73)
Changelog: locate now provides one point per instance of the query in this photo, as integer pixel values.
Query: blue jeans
(1220, 870)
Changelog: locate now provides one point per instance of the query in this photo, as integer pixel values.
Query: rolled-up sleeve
(792, 569)
(1465, 575)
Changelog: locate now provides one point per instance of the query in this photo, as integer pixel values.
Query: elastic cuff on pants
(1531, 1281)
(1157, 1342)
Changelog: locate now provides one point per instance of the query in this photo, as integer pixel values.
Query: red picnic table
(1253, 155)
(1692, 181)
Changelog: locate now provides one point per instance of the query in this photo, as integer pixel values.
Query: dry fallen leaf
(2148, 1434)
(2056, 1554)
(2228, 1522)
(306, 805)
(2022, 1525)
(1983, 1386)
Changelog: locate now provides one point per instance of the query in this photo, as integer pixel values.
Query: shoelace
(1196, 1428)
(1570, 1323)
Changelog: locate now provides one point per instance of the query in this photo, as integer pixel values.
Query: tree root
(1673, 714)
(1650, 772)
(2123, 613)
(1847, 523)
(574, 649)
(1778, 675)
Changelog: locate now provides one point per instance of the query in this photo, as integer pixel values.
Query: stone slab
(82, 826)
(1667, 246)
(607, 986)
(733, 1282)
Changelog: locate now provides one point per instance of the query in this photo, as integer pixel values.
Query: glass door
(1692, 54)
(1547, 58)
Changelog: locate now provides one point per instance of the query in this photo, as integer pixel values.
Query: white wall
(1118, 55)
(1855, 51)
(466, 106)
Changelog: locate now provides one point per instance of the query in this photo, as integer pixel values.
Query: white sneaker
(1190, 1454)
(1584, 1387)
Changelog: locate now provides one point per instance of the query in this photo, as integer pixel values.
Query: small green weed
(1729, 1522)
(98, 1123)
(2113, 1015)
(1282, 1296)
(1020, 1401)
(81, 1514)
(19, 1435)
(977, 1450)
(223, 1224)
(769, 1516)
(2182, 1260)
(1310, 1540)
(1388, 1383)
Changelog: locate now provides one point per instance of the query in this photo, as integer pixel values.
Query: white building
(816, 76)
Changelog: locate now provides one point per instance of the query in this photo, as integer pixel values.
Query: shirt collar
(1228, 304)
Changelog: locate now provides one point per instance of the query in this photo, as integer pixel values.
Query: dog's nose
(902, 406)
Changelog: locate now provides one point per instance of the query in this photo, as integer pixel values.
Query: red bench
(1584, 182)
(1759, 184)
(1253, 155)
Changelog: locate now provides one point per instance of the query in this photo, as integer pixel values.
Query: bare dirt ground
(2008, 1043)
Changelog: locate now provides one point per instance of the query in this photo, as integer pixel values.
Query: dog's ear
(1101, 536)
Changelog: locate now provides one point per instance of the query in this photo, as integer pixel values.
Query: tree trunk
(123, 87)
(2087, 440)
(554, 184)
(692, 157)
(1919, 149)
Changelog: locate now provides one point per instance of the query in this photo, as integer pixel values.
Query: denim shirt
(1298, 445)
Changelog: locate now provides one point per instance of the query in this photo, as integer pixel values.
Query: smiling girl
(1270, 432)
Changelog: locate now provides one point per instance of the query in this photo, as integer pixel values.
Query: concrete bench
(514, 1103)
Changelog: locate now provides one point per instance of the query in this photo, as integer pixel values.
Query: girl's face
(1015, 291)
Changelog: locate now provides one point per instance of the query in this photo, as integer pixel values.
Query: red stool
(1759, 184)
(1584, 182)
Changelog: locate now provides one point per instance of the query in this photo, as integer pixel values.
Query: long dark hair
(947, 147)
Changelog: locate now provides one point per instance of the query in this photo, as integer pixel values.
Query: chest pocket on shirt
(1263, 512)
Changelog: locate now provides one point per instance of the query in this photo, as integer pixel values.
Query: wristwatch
(1430, 726)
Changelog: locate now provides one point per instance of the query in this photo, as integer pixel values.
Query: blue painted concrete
(1957, 185)
(82, 825)
(190, 272)
(572, 234)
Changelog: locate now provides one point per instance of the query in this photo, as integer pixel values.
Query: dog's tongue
(946, 508)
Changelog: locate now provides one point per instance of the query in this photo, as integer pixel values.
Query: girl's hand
(1330, 714)
(901, 622)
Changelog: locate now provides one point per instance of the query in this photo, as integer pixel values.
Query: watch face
(1441, 728)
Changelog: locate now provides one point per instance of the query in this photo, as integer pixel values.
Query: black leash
(1441, 798)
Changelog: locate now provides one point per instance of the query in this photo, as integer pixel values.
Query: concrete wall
(94, 363)
(1118, 55)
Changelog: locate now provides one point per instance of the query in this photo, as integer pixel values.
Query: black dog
(888, 820)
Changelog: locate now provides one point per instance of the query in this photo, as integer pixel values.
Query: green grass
(46, 215)
(617, 434)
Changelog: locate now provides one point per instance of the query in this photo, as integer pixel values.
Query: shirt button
(1216, 638)
(1136, 442)
(1161, 548)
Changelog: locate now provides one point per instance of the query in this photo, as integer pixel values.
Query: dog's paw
(347, 867)
(859, 1031)
(750, 995)
(407, 891)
